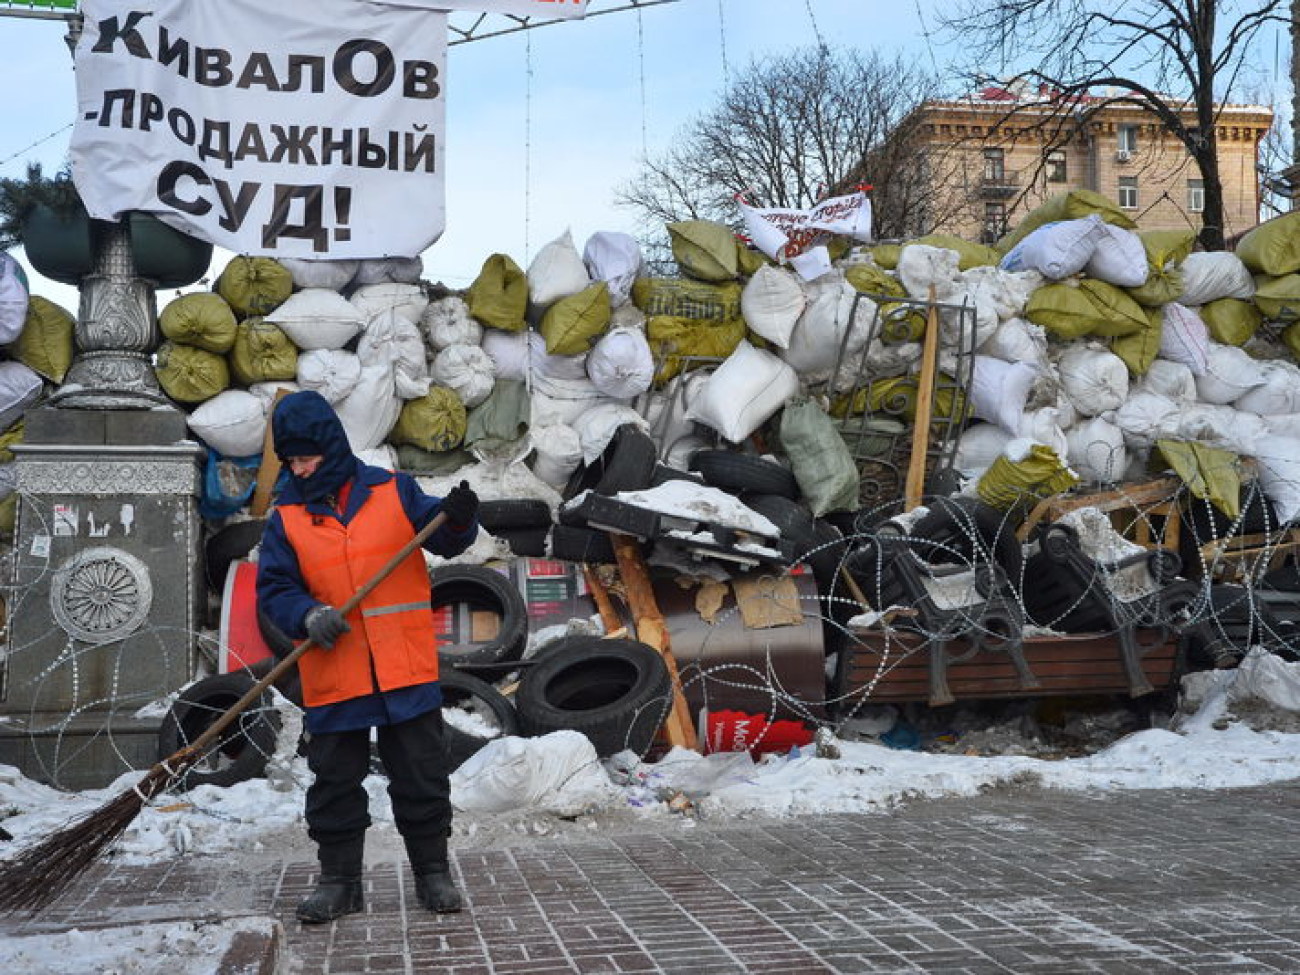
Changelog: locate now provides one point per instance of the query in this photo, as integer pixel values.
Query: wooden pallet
(892, 666)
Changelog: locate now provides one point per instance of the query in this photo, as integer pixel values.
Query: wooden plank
(652, 630)
(269, 470)
(915, 485)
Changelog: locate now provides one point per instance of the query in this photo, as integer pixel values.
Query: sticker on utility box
(67, 520)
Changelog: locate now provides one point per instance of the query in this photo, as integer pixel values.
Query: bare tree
(1180, 60)
(787, 132)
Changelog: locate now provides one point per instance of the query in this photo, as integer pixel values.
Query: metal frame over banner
(40, 9)
(286, 130)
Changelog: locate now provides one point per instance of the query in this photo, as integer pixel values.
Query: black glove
(460, 505)
(325, 624)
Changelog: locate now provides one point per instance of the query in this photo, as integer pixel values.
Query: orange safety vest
(392, 641)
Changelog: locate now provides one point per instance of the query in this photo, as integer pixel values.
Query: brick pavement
(1032, 883)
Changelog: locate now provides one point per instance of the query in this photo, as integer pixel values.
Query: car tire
(470, 694)
(738, 473)
(570, 543)
(240, 752)
(227, 546)
(626, 464)
(498, 516)
(482, 589)
(616, 692)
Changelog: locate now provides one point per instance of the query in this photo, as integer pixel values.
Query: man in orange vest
(336, 523)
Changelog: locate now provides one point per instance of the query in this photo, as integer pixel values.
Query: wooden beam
(652, 631)
(269, 471)
(914, 489)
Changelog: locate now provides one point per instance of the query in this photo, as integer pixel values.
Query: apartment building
(993, 157)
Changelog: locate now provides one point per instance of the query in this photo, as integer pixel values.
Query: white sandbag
(614, 258)
(317, 319)
(835, 322)
(508, 352)
(1056, 250)
(558, 773)
(999, 389)
(979, 445)
(556, 272)
(447, 321)
(596, 426)
(1173, 380)
(385, 456)
(679, 454)
(1283, 425)
(621, 364)
(557, 452)
(408, 300)
(1229, 374)
(391, 337)
(1146, 417)
(266, 392)
(331, 372)
(334, 275)
(1119, 258)
(1210, 275)
(627, 315)
(1279, 393)
(554, 400)
(1097, 452)
(20, 387)
(1043, 426)
(980, 309)
(232, 423)
(13, 299)
(370, 410)
(750, 386)
(468, 370)
(1018, 340)
(389, 270)
(1221, 426)
(771, 303)
(1008, 290)
(667, 409)
(1094, 378)
(1184, 337)
(1279, 476)
(920, 266)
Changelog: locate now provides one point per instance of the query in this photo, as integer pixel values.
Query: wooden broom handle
(256, 691)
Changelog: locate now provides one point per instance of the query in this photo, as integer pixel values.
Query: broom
(40, 873)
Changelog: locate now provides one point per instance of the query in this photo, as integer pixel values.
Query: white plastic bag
(771, 304)
(1094, 379)
(621, 365)
(1097, 452)
(1119, 258)
(393, 338)
(745, 391)
(1056, 250)
(331, 372)
(408, 300)
(1210, 275)
(317, 319)
(999, 391)
(556, 272)
(467, 370)
(232, 423)
(447, 321)
(1184, 337)
(614, 258)
(1229, 374)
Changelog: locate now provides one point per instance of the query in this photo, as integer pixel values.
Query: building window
(994, 166)
(1128, 192)
(1128, 139)
(1196, 195)
(995, 222)
(1056, 168)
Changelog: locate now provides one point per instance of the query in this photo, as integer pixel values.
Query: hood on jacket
(305, 421)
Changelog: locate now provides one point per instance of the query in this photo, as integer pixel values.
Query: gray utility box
(105, 601)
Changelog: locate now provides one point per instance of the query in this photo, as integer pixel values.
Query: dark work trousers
(414, 754)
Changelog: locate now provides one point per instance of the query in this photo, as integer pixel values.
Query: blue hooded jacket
(304, 424)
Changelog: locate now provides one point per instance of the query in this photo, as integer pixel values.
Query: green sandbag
(502, 417)
(969, 255)
(254, 285)
(572, 325)
(189, 374)
(1210, 473)
(1163, 285)
(499, 295)
(45, 345)
(1066, 206)
(819, 458)
(262, 353)
(1019, 484)
(749, 260)
(897, 396)
(684, 298)
(671, 339)
(413, 460)
(1167, 246)
(1140, 349)
(873, 280)
(1165, 250)
(899, 322)
(433, 422)
(13, 435)
(704, 249)
(1291, 336)
(1273, 247)
(1231, 320)
(201, 319)
(1278, 299)
(1070, 310)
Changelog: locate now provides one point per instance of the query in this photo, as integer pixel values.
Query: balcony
(999, 185)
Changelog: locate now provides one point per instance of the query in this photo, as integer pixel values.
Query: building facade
(997, 155)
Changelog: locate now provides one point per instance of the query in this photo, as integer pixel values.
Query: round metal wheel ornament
(101, 595)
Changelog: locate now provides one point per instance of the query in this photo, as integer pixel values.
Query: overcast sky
(542, 125)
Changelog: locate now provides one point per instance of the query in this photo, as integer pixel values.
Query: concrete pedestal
(106, 591)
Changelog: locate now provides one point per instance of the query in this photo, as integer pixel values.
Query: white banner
(303, 129)
(559, 9)
(796, 236)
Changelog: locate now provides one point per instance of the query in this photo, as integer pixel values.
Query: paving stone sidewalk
(1030, 882)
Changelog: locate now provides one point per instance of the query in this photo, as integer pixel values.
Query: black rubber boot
(338, 892)
(434, 888)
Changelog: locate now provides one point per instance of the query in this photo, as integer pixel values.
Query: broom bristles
(43, 871)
